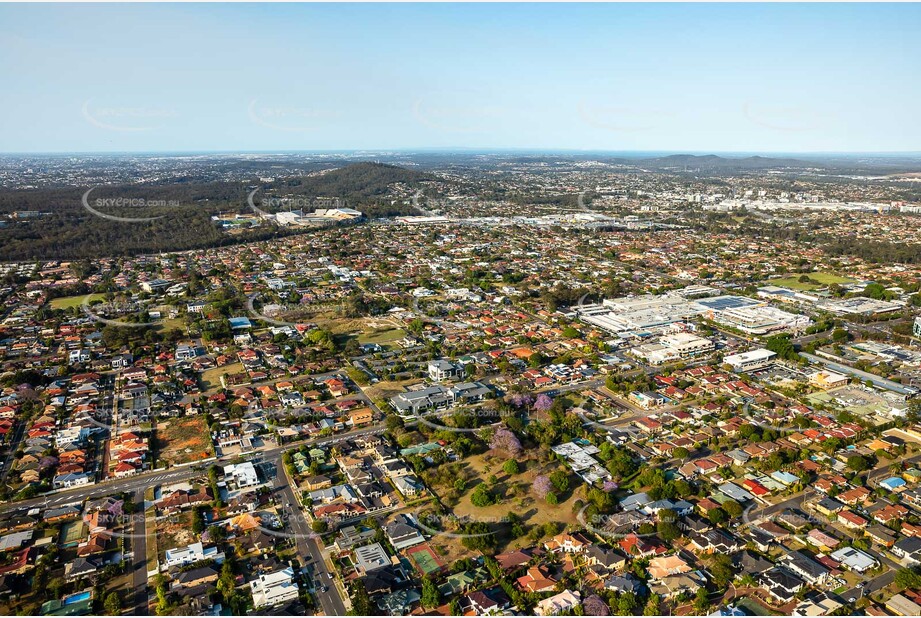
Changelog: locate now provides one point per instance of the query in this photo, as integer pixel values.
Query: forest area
(180, 212)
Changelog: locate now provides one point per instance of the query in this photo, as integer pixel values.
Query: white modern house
(242, 474)
(190, 554)
(274, 588)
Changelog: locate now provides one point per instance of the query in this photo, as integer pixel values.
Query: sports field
(65, 302)
(818, 280)
(425, 559)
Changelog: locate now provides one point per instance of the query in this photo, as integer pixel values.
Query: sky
(620, 77)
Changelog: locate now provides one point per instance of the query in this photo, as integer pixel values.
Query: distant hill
(716, 162)
(70, 231)
(358, 180)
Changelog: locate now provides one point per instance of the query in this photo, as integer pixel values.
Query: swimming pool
(77, 597)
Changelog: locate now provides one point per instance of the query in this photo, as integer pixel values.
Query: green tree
(701, 601)
(361, 602)
(113, 604)
(732, 508)
(198, 521)
(510, 467)
(716, 516)
(431, 596)
(319, 526)
(721, 569)
(908, 578)
(481, 496)
(667, 526)
(858, 463)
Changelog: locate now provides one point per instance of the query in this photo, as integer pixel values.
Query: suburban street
(308, 545)
(139, 551)
(174, 475)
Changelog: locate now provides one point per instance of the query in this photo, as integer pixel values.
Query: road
(308, 545)
(139, 551)
(10, 451)
(863, 375)
(173, 475)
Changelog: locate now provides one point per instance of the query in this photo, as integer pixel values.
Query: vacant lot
(183, 440)
(66, 302)
(174, 531)
(516, 495)
(822, 279)
(379, 330)
(211, 379)
(386, 388)
(382, 336)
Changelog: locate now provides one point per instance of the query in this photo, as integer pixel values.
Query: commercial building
(674, 347)
(749, 361)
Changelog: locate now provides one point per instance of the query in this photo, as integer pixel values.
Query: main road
(173, 475)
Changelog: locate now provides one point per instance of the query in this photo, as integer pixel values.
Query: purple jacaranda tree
(594, 606)
(542, 486)
(543, 403)
(520, 400)
(506, 441)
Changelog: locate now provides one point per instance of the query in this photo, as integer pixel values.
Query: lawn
(183, 440)
(823, 279)
(382, 336)
(66, 302)
(167, 324)
(211, 379)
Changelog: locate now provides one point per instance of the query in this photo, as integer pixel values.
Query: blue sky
(674, 77)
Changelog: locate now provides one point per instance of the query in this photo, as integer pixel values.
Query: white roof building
(243, 474)
(746, 361)
(274, 588)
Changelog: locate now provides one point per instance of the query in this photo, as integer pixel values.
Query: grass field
(382, 336)
(211, 379)
(823, 279)
(171, 323)
(182, 440)
(66, 302)
(518, 495)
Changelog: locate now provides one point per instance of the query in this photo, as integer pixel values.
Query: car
(329, 575)
(852, 600)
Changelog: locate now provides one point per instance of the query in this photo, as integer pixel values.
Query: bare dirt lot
(183, 440)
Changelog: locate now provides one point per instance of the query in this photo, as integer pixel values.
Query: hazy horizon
(717, 78)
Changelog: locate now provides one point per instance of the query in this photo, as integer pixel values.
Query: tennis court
(425, 559)
(72, 533)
